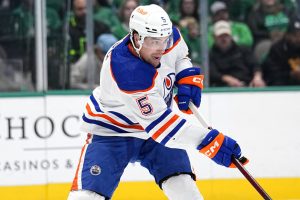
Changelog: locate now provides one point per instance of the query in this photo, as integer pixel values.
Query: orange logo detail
(142, 11)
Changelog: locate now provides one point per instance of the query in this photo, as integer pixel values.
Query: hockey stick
(237, 162)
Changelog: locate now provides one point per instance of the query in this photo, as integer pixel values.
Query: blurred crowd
(252, 43)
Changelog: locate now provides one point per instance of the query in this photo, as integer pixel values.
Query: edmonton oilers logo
(168, 82)
(95, 170)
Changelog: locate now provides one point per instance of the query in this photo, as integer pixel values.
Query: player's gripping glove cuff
(220, 148)
(190, 84)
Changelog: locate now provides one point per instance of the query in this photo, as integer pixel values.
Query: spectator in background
(105, 13)
(79, 74)
(268, 22)
(230, 64)
(193, 40)
(240, 9)
(189, 26)
(77, 30)
(77, 34)
(188, 12)
(282, 65)
(122, 27)
(241, 33)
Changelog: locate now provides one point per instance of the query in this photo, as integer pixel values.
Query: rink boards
(40, 145)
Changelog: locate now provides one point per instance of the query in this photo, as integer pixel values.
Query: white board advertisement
(40, 140)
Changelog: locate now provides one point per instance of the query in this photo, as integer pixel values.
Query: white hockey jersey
(134, 98)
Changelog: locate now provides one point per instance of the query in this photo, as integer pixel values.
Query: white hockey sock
(181, 187)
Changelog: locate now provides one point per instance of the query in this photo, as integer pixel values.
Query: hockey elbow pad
(220, 148)
(190, 84)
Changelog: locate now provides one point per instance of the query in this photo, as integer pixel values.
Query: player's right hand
(220, 148)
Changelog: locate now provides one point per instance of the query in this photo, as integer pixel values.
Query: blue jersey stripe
(96, 105)
(103, 124)
(158, 120)
(122, 117)
(173, 132)
(176, 34)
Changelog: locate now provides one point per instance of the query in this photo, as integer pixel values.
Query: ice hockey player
(129, 116)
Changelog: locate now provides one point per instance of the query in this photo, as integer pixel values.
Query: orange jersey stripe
(90, 112)
(75, 181)
(164, 127)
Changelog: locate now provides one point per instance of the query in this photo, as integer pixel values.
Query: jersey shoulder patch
(130, 72)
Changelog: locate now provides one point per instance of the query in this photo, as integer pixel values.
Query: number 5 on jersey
(145, 107)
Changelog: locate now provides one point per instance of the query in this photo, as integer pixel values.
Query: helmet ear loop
(140, 41)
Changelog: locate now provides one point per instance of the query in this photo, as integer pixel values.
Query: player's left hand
(187, 93)
(190, 84)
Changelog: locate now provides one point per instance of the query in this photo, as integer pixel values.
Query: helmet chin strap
(141, 41)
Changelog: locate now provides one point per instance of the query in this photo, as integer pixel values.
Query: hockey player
(129, 117)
